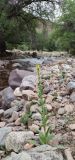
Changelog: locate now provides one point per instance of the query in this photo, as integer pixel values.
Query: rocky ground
(20, 140)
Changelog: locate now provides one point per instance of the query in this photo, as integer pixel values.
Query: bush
(25, 118)
(46, 43)
(23, 47)
(40, 41)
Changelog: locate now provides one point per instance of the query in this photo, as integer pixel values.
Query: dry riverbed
(19, 94)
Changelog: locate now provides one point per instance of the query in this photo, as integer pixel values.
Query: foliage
(25, 118)
(23, 47)
(44, 136)
(46, 43)
(65, 29)
(51, 43)
(18, 23)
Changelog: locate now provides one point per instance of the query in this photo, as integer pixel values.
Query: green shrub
(24, 119)
(23, 47)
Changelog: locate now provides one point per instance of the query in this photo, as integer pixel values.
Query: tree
(66, 27)
(17, 19)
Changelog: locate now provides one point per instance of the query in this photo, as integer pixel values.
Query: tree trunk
(2, 44)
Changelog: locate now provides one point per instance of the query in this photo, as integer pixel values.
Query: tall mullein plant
(44, 136)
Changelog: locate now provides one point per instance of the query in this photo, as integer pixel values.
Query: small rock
(72, 97)
(49, 107)
(69, 108)
(29, 94)
(36, 116)
(7, 97)
(49, 99)
(1, 112)
(17, 122)
(2, 124)
(14, 116)
(15, 106)
(2, 153)
(34, 108)
(16, 65)
(46, 90)
(71, 86)
(55, 69)
(17, 92)
(61, 111)
(27, 106)
(56, 140)
(66, 67)
(28, 146)
(34, 128)
(72, 126)
(28, 82)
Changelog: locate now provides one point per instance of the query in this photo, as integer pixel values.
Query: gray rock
(71, 86)
(46, 90)
(21, 156)
(45, 152)
(1, 112)
(36, 116)
(61, 111)
(16, 77)
(3, 134)
(16, 105)
(28, 82)
(16, 140)
(29, 62)
(17, 65)
(7, 97)
(72, 97)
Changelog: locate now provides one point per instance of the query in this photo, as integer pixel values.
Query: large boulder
(21, 156)
(7, 96)
(16, 77)
(45, 152)
(16, 140)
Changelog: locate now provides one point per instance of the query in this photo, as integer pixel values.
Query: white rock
(72, 126)
(17, 92)
(55, 69)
